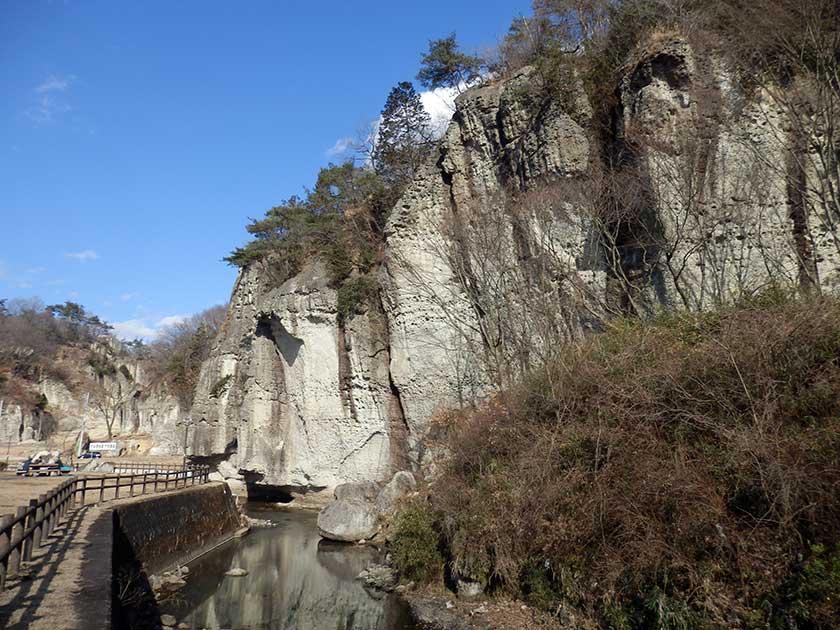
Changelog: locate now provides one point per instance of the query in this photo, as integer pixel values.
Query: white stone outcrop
(292, 397)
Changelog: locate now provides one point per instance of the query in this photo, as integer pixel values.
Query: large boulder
(401, 485)
(348, 520)
(355, 513)
(361, 490)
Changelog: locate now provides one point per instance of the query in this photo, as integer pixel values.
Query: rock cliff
(531, 223)
(76, 398)
(293, 397)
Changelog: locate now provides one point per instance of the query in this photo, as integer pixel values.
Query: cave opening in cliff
(270, 327)
(261, 493)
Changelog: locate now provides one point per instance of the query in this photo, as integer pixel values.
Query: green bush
(812, 596)
(414, 545)
(355, 296)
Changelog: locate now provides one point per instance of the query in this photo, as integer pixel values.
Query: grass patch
(414, 545)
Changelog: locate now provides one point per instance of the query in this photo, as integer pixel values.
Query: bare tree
(111, 400)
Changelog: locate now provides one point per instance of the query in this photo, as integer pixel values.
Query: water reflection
(295, 581)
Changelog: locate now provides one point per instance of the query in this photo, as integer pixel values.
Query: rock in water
(168, 620)
(348, 520)
(237, 572)
(379, 576)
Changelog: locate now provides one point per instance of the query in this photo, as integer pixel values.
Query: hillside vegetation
(68, 344)
(682, 473)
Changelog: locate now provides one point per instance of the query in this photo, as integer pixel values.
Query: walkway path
(63, 590)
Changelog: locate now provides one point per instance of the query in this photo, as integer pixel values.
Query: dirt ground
(16, 491)
(440, 609)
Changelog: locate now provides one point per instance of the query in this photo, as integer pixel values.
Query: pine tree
(446, 66)
(403, 138)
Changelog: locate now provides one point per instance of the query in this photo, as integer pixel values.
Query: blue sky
(137, 138)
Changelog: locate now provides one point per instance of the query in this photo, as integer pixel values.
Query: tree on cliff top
(403, 138)
(176, 356)
(78, 321)
(444, 65)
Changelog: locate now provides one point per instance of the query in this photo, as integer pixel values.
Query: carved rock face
(307, 406)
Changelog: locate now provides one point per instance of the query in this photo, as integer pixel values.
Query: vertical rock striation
(526, 227)
(292, 396)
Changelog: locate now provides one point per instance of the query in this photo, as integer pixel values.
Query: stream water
(295, 581)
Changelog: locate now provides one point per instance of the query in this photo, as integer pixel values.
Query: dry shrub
(668, 474)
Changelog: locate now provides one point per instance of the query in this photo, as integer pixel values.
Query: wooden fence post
(62, 503)
(16, 542)
(30, 525)
(47, 529)
(38, 534)
(5, 542)
(53, 513)
(117, 493)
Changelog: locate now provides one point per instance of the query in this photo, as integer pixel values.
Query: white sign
(102, 446)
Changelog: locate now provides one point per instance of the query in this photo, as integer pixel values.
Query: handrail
(32, 524)
(134, 466)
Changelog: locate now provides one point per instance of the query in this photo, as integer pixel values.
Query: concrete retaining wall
(164, 530)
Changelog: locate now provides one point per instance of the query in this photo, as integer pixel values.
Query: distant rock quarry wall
(69, 406)
(530, 224)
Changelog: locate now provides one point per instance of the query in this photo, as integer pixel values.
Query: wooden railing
(143, 467)
(31, 525)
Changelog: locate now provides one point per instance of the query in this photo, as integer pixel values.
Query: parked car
(91, 455)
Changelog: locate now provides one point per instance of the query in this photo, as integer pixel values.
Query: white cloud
(126, 297)
(133, 329)
(50, 98)
(83, 256)
(341, 146)
(440, 104)
(170, 320)
(54, 84)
